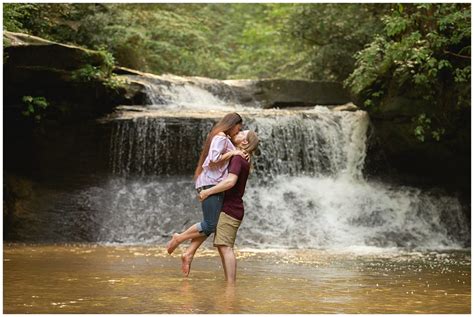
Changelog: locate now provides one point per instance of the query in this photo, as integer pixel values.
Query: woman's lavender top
(212, 175)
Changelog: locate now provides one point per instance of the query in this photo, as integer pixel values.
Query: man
(233, 207)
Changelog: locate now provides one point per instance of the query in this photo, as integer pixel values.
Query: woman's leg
(229, 262)
(211, 207)
(188, 255)
(178, 238)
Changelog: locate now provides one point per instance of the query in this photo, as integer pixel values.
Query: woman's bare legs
(188, 255)
(178, 238)
(229, 262)
(196, 240)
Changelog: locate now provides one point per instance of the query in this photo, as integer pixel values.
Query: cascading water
(178, 93)
(307, 189)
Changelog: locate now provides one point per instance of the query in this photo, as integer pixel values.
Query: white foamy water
(184, 93)
(189, 97)
(307, 189)
(316, 142)
(343, 212)
(292, 212)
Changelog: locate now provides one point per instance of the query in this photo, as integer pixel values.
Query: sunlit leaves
(395, 25)
(424, 53)
(34, 107)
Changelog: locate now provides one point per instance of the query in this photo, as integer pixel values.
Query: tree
(424, 54)
(330, 34)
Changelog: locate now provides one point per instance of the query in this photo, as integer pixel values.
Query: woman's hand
(203, 195)
(244, 154)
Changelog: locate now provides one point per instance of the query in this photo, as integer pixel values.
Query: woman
(210, 170)
(233, 208)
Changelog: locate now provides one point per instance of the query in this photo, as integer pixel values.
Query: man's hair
(252, 144)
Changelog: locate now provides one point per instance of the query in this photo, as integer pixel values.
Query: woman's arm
(228, 155)
(222, 186)
(217, 147)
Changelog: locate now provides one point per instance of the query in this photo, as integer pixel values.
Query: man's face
(240, 137)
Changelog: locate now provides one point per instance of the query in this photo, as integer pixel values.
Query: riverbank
(145, 279)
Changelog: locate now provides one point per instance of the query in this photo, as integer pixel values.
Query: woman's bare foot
(173, 243)
(186, 260)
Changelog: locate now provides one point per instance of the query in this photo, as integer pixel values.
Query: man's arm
(222, 186)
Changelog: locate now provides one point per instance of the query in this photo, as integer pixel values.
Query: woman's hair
(252, 145)
(225, 125)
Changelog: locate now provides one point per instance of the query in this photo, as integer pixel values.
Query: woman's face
(240, 137)
(235, 130)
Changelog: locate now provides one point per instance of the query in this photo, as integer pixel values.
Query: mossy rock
(27, 50)
(77, 83)
(433, 163)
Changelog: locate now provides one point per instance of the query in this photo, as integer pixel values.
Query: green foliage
(150, 39)
(114, 82)
(220, 40)
(420, 50)
(14, 14)
(423, 53)
(423, 128)
(34, 107)
(88, 73)
(330, 35)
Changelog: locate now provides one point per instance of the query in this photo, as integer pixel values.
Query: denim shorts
(211, 207)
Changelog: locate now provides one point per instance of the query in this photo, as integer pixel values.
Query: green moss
(6, 42)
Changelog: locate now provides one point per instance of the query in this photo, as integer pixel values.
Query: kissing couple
(220, 178)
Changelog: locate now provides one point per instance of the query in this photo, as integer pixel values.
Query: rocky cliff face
(394, 150)
(75, 81)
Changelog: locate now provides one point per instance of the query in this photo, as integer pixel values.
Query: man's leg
(230, 263)
(178, 238)
(188, 255)
(222, 260)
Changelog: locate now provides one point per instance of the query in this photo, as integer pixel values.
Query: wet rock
(17, 192)
(347, 107)
(75, 81)
(405, 159)
(290, 93)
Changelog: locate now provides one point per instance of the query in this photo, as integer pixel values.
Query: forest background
(421, 51)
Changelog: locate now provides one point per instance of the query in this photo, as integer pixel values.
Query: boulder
(281, 93)
(394, 149)
(75, 81)
(347, 107)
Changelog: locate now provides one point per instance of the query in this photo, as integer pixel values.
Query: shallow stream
(90, 278)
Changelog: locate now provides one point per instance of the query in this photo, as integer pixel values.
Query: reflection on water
(144, 279)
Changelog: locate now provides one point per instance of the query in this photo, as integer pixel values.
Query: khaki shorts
(226, 230)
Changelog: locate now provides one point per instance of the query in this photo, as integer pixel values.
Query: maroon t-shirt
(233, 204)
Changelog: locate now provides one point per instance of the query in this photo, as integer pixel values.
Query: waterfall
(307, 189)
(318, 142)
(157, 146)
(191, 93)
(314, 142)
(344, 212)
